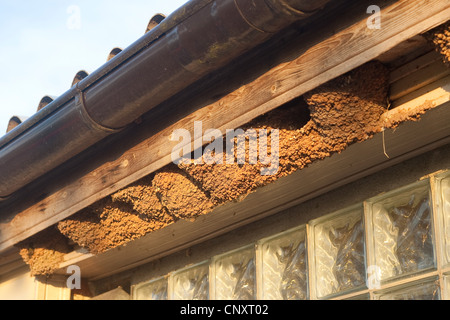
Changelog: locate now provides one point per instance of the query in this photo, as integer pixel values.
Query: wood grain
(356, 162)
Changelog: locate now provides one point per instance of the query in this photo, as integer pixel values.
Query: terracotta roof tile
(16, 120)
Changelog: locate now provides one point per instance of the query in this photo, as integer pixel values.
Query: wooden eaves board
(357, 161)
(331, 50)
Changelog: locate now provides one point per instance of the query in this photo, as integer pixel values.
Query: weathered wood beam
(10, 261)
(356, 162)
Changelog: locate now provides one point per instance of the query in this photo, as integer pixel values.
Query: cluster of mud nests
(440, 37)
(324, 121)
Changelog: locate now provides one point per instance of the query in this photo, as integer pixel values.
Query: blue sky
(43, 44)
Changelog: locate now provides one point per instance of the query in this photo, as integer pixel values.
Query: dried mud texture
(143, 199)
(346, 110)
(105, 225)
(150, 204)
(44, 251)
(396, 117)
(440, 37)
(333, 116)
(180, 194)
(228, 182)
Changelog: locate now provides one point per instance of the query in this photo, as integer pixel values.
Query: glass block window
(338, 252)
(446, 286)
(235, 275)
(443, 204)
(401, 231)
(191, 283)
(362, 297)
(395, 246)
(153, 290)
(284, 266)
(428, 289)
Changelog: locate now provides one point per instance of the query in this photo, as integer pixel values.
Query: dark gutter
(200, 37)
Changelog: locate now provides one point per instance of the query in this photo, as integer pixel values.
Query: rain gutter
(197, 39)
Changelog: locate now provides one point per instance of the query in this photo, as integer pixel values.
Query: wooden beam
(414, 65)
(422, 76)
(10, 261)
(331, 49)
(437, 92)
(356, 162)
(405, 52)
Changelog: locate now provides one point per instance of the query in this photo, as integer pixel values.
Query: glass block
(400, 231)
(338, 252)
(422, 290)
(446, 289)
(191, 283)
(443, 202)
(154, 290)
(284, 268)
(360, 297)
(235, 275)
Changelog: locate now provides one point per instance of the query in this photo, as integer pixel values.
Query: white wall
(19, 285)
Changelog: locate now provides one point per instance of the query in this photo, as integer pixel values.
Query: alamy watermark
(374, 21)
(373, 277)
(241, 147)
(74, 281)
(74, 20)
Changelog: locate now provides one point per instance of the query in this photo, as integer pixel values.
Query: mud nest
(44, 251)
(330, 118)
(440, 38)
(324, 121)
(148, 205)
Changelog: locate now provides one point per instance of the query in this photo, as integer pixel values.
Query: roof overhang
(356, 162)
(315, 58)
